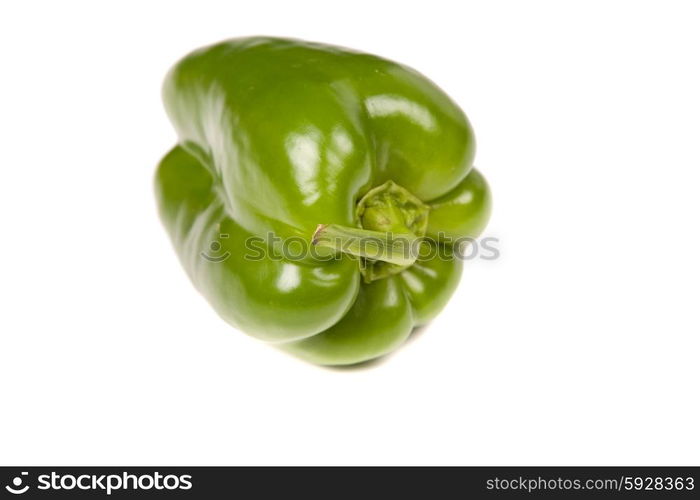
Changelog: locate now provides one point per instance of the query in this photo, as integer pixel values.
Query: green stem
(397, 248)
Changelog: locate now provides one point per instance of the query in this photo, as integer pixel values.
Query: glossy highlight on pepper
(310, 141)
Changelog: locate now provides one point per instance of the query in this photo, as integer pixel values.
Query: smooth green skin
(278, 136)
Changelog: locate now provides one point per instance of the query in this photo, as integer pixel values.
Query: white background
(578, 346)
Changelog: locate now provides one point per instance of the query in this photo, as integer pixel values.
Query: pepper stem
(397, 248)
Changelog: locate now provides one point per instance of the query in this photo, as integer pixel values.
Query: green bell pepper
(284, 141)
